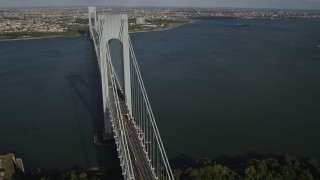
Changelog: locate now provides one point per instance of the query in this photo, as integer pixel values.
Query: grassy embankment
(35, 35)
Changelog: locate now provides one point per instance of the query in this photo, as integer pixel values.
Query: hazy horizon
(273, 4)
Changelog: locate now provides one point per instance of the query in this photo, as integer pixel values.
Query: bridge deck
(141, 165)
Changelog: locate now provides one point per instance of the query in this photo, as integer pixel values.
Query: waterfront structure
(127, 111)
(10, 165)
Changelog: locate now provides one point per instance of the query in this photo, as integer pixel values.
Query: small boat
(318, 46)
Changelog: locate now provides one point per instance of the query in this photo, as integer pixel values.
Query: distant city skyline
(282, 4)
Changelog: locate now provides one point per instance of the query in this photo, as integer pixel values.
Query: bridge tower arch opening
(116, 54)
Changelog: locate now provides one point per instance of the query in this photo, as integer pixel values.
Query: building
(140, 20)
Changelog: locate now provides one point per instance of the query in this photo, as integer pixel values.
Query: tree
(176, 174)
(83, 176)
(73, 175)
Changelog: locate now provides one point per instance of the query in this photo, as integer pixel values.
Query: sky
(282, 4)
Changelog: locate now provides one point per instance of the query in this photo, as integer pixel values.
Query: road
(141, 167)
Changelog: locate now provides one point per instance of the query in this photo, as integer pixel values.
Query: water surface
(215, 88)
(50, 103)
(220, 89)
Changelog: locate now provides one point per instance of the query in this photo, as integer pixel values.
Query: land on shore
(167, 27)
(263, 167)
(27, 23)
(83, 32)
(38, 35)
(269, 167)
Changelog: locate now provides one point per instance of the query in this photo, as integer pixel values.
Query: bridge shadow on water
(87, 88)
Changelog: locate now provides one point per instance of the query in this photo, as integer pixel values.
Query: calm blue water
(215, 88)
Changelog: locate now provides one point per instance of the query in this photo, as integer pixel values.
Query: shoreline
(35, 38)
(62, 36)
(165, 29)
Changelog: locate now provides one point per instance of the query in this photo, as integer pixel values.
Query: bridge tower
(113, 34)
(92, 17)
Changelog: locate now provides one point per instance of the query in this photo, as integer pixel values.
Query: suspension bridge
(127, 112)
